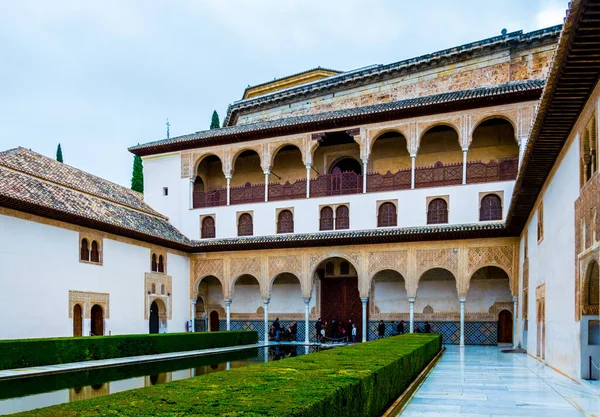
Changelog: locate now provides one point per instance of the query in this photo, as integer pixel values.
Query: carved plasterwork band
(87, 300)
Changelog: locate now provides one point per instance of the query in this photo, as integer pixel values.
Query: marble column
(413, 160)
(514, 322)
(194, 316)
(228, 177)
(365, 167)
(411, 316)
(462, 301)
(464, 171)
(306, 321)
(267, 172)
(308, 168)
(365, 324)
(228, 313)
(266, 308)
(228, 366)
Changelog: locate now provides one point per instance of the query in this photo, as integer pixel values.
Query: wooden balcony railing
(438, 175)
(502, 170)
(287, 191)
(210, 198)
(249, 193)
(388, 182)
(336, 184)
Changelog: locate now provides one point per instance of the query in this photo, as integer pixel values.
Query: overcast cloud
(99, 76)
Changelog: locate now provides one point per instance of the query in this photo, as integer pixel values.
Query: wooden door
(153, 322)
(214, 321)
(77, 321)
(340, 300)
(505, 327)
(97, 321)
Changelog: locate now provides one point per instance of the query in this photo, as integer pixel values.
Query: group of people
(277, 332)
(337, 331)
(398, 328)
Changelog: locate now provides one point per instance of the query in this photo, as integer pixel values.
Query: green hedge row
(359, 380)
(23, 353)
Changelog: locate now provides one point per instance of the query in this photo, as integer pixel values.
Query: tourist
(333, 329)
(353, 333)
(381, 330)
(294, 330)
(394, 328)
(427, 327)
(401, 327)
(323, 332)
(277, 328)
(318, 328)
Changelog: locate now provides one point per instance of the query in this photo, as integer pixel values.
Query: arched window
(208, 227)
(342, 218)
(387, 215)
(95, 253)
(245, 226)
(437, 212)
(154, 267)
(285, 222)
(85, 251)
(198, 185)
(153, 290)
(326, 221)
(345, 268)
(161, 264)
(162, 289)
(329, 268)
(491, 208)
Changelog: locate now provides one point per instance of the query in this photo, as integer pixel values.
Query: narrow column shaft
(308, 168)
(267, 172)
(464, 176)
(364, 301)
(228, 177)
(306, 321)
(413, 159)
(462, 320)
(193, 329)
(411, 324)
(365, 163)
(266, 308)
(514, 322)
(228, 313)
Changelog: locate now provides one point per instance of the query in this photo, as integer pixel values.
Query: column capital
(365, 160)
(308, 166)
(411, 299)
(228, 175)
(306, 300)
(364, 299)
(228, 302)
(267, 171)
(465, 149)
(413, 155)
(266, 300)
(515, 298)
(193, 302)
(462, 299)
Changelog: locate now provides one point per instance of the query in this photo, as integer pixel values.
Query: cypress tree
(214, 123)
(59, 156)
(137, 178)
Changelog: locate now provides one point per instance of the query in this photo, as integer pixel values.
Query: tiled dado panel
(476, 333)
(259, 326)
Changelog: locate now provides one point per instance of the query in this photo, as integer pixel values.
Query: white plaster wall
(484, 293)
(390, 296)
(552, 262)
(41, 264)
(286, 298)
(246, 299)
(441, 295)
(412, 209)
(165, 171)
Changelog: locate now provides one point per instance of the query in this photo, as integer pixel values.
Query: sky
(100, 76)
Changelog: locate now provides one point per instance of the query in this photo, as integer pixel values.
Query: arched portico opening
(489, 294)
(248, 180)
(157, 322)
(97, 321)
(77, 321)
(437, 304)
(590, 322)
(210, 293)
(209, 183)
(390, 163)
(287, 179)
(214, 321)
(340, 303)
(153, 318)
(287, 303)
(246, 304)
(493, 153)
(389, 302)
(439, 158)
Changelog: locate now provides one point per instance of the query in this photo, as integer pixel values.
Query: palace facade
(459, 188)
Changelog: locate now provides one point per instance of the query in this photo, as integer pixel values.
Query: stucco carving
(437, 258)
(204, 268)
(87, 300)
(500, 256)
(245, 266)
(155, 293)
(281, 264)
(394, 260)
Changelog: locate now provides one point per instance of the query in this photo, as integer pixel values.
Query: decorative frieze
(87, 300)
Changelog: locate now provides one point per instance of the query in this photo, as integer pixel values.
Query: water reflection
(30, 393)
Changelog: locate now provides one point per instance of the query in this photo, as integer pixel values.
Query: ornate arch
(273, 149)
(502, 257)
(391, 260)
(291, 264)
(510, 116)
(316, 259)
(272, 280)
(204, 268)
(258, 280)
(199, 157)
(376, 133)
(420, 277)
(246, 266)
(198, 281)
(235, 153)
(588, 269)
(454, 123)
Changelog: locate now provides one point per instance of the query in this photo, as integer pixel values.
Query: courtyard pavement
(479, 381)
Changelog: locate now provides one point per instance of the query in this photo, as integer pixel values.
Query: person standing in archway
(277, 328)
(381, 329)
(401, 327)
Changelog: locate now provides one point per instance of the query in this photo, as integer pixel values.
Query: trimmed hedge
(23, 353)
(359, 380)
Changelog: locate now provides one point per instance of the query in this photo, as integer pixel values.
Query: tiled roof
(374, 73)
(337, 118)
(387, 235)
(40, 166)
(42, 193)
(292, 75)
